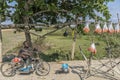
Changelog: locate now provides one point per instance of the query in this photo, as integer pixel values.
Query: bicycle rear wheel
(7, 70)
(43, 68)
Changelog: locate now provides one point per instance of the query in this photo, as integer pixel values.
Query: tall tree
(57, 11)
(51, 11)
(21, 15)
(3, 13)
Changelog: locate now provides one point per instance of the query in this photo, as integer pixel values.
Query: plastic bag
(117, 28)
(111, 29)
(92, 48)
(105, 28)
(86, 29)
(16, 60)
(98, 29)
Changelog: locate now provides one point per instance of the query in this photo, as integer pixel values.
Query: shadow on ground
(54, 57)
(46, 57)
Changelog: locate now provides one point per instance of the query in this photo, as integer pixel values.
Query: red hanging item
(86, 29)
(98, 29)
(92, 48)
(111, 29)
(105, 28)
(117, 28)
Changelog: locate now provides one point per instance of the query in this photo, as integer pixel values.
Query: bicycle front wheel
(7, 70)
(43, 68)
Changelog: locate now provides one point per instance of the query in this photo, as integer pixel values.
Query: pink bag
(117, 28)
(110, 28)
(98, 29)
(92, 48)
(86, 29)
(105, 28)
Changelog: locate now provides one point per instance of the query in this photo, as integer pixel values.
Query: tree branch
(45, 25)
(51, 32)
(49, 11)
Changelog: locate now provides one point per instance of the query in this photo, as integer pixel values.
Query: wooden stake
(73, 50)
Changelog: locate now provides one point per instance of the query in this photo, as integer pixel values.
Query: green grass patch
(55, 46)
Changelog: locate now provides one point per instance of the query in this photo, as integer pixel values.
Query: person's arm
(25, 52)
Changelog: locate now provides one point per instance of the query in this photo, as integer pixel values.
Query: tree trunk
(26, 21)
(28, 38)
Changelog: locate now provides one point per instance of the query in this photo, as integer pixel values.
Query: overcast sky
(114, 8)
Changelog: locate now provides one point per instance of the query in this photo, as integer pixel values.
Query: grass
(56, 41)
(11, 40)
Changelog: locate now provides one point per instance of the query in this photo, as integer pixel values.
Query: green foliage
(38, 29)
(80, 28)
(78, 56)
(50, 11)
(3, 10)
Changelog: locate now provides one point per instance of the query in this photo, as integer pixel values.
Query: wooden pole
(74, 39)
(0, 42)
(73, 47)
(0, 45)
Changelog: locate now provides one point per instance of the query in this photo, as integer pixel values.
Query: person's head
(25, 44)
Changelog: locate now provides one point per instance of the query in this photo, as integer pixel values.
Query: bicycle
(17, 64)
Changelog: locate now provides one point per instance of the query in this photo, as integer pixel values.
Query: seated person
(25, 53)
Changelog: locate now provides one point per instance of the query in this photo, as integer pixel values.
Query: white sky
(114, 8)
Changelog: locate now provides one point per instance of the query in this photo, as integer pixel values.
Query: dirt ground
(76, 71)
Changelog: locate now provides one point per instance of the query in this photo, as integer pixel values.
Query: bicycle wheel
(7, 70)
(42, 68)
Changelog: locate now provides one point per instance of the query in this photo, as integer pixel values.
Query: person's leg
(25, 62)
(28, 61)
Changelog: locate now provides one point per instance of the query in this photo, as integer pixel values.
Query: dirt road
(74, 72)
